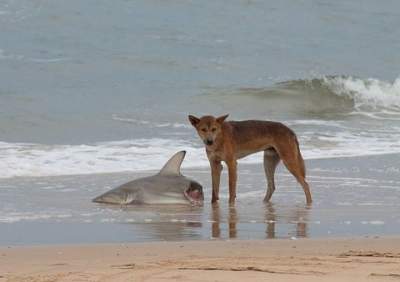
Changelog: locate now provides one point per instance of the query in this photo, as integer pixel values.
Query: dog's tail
(300, 158)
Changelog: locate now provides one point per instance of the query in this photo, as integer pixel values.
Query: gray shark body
(169, 186)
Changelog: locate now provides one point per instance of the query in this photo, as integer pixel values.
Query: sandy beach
(351, 259)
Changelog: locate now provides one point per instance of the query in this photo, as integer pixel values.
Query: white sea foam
(25, 159)
(373, 222)
(370, 93)
(316, 122)
(349, 143)
(30, 216)
(377, 222)
(149, 123)
(48, 60)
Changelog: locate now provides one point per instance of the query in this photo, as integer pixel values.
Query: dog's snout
(208, 142)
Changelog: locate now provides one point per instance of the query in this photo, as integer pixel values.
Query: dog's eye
(213, 129)
(203, 129)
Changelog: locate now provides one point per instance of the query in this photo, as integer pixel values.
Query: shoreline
(344, 259)
(352, 197)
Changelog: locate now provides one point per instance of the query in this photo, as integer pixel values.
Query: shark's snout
(195, 193)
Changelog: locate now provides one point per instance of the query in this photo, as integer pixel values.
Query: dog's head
(208, 127)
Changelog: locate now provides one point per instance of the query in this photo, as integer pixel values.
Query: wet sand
(352, 259)
(352, 197)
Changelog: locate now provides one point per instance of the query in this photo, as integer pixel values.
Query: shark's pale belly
(165, 198)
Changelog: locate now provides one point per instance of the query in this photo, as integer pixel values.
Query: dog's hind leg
(271, 160)
(295, 164)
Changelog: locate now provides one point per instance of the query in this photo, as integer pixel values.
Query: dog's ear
(194, 120)
(221, 119)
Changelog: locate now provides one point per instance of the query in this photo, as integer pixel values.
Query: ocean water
(104, 87)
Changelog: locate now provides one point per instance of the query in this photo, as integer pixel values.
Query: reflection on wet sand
(216, 219)
(166, 222)
(296, 218)
(270, 219)
(292, 219)
(170, 231)
(243, 221)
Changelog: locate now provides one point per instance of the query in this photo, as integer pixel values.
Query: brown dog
(232, 140)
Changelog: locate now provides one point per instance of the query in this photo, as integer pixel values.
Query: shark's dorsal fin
(173, 165)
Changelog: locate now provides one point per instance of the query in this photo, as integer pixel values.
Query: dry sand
(366, 259)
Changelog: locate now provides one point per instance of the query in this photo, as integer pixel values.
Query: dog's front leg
(216, 168)
(232, 172)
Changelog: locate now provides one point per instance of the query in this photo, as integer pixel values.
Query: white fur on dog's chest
(213, 155)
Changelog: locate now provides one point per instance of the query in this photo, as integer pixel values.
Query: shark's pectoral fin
(173, 165)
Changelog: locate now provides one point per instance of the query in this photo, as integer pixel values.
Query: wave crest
(366, 93)
(325, 95)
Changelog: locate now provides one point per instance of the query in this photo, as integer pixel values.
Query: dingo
(232, 140)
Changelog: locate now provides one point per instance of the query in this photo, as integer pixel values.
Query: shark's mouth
(194, 194)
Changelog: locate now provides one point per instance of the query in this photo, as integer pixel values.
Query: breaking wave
(367, 93)
(325, 95)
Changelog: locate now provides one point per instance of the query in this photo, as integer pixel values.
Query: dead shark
(168, 186)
